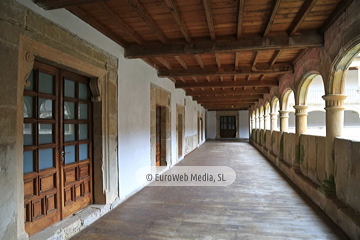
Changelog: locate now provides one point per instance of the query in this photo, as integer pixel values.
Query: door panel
(75, 144)
(227, 126)
(41, 165)
(158, 136)
(57, 118)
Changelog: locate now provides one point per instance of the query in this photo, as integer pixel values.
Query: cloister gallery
(93, 91)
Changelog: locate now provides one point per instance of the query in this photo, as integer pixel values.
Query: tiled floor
(260, 204)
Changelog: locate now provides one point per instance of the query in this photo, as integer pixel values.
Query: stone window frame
(160, 97)
(180, 110)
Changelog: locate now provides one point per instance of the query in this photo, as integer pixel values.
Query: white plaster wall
(244, 124)
(211, 124)
(135, 77)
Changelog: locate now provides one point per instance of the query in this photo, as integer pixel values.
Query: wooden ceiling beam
(226, 106)
(56, 4)
(240, 18)
(299, 55)
(274, 10)
(113, 17)
(254, 83)
(209, 19)
(224, 109)
(278, 42)
(165, 63)
(176, 15)
(181, 61)
(94, 23)
(228, 97)
(255, 59)
(227, 92)
(144, 15)
(264, 69)
(229, 101)
(199, 60)
(301, 15)
(217, 58)
(339, 10)
(237, 59)
(275, 57)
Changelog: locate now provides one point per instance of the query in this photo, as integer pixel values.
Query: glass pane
(45, 133)
(69, 154)
(28, 107)
(28, 161)
(83, 131)
(46, 158)
(69, 88)
(69, 132)
(83, 152)
(28, 134)
(69, 110)
(45, 108)
(46, 84)
(83, 111)
(31, 80)
(83, 91)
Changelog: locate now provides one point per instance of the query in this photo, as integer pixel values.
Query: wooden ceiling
(224, 53)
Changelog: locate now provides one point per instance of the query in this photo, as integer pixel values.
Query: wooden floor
(260, 204)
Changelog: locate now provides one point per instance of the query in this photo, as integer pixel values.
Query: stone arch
(275, 104)
(303, 87)
(284, 100)
(341, 65)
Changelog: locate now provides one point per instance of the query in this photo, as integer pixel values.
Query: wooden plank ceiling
(224, 53)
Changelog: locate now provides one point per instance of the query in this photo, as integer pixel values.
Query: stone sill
(73, 224)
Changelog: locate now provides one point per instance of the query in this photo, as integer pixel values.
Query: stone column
(300, 128)
(261, 122)
(284, 120)
(334, 125)
(273, 125)
(266, 122)
(300, 119)
(252, 122)
(257, 122)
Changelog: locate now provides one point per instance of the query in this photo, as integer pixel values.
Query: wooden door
(75, 145)
(43, 131)
(41, 143)
(180, 134)
(227, 126)
(158, 135)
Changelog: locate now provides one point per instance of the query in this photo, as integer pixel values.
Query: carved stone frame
(29, 51)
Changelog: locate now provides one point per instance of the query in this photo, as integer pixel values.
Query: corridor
(260, 204)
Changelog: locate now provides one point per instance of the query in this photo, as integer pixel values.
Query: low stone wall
(289, 147)
(347, 172)
(312, 157)
(268, 142)
(275, 140)
(344, 208)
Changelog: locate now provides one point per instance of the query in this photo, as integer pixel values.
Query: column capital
(300, 110)
(284, 113)
(334, 101)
